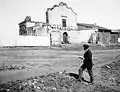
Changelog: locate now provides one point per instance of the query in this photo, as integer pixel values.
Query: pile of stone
(4, 67)
(54, 82)
(111, 73)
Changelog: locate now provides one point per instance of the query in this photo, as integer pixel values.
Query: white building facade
(62, 16)
(63, 22)
(61, 27)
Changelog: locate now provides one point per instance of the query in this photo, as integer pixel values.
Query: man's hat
(86, 45)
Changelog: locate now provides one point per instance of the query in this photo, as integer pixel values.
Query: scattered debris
(4, 67)
(107, 66)
(54, 82)
(110, 73)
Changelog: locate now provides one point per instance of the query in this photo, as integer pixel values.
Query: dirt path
(45, 61)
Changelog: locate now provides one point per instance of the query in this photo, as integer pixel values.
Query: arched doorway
(65, 38)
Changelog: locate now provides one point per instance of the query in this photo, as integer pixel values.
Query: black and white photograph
(59, 45)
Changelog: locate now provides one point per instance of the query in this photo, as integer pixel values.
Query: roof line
(54, 6)
(93, 25)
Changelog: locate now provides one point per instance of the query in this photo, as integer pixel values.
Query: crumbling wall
(104, 37)
(79, 36)
(55, 37)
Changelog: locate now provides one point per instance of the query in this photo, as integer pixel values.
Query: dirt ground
(54, 69)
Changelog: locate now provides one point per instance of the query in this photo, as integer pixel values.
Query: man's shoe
(91, 82)
(79, 80)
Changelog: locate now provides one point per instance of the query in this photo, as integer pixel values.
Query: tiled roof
(31, 22)
(92, 26)
(116, 30)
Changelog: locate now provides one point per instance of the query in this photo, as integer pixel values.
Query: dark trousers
(89, 69)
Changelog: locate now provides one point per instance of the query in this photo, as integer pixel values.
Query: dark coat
(88, 59)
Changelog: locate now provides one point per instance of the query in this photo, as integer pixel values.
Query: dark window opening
(64, 22)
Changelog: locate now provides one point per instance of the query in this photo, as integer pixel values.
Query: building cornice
(61, 4)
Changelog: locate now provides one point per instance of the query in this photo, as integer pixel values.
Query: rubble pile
(110, 73)
(4, 67)
(54, 82)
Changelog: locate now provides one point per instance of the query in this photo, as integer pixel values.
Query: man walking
(87, 63)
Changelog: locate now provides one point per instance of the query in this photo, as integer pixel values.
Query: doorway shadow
(76, 76)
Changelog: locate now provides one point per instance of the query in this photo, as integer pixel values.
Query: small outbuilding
(115, 35)
(100, 35)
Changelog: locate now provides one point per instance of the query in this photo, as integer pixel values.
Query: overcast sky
(105, 13)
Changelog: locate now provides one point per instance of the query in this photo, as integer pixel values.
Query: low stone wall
(79, 36)
(73, 36)
(33, 40)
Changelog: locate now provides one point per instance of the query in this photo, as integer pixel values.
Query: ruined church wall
(73, 36)
(62, 12)
(80, 36)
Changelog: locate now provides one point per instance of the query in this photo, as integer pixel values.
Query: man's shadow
(76, 76)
